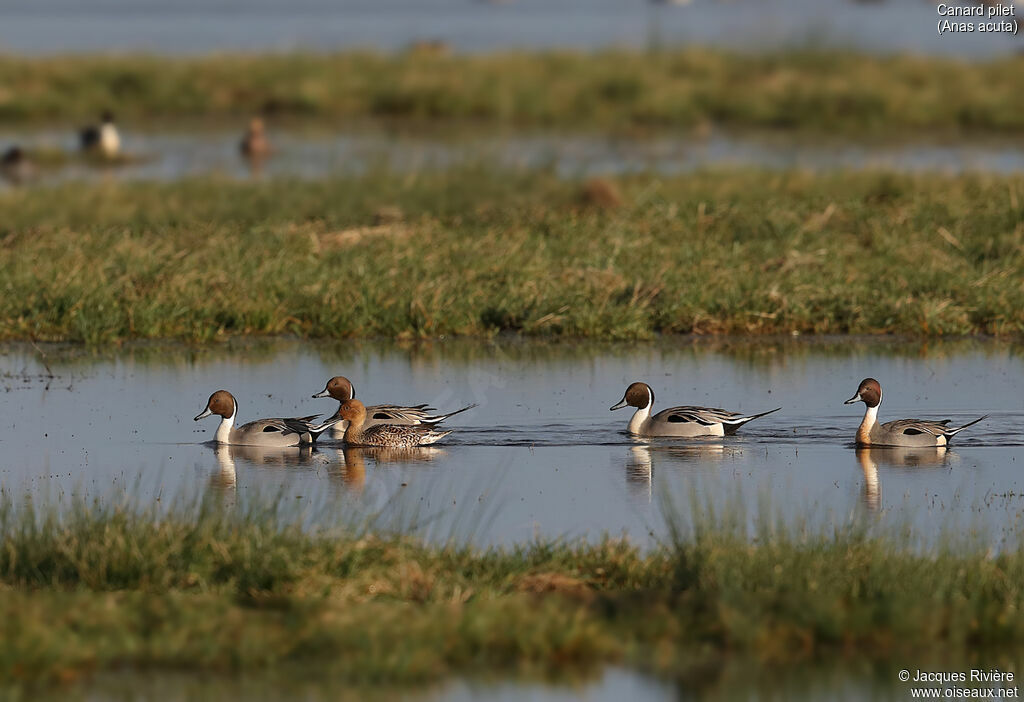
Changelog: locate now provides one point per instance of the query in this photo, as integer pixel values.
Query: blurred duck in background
(16, 166)
(103, 139)
(255, 144)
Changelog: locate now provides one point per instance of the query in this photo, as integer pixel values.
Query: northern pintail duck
(341, 389)
(270, 433)
(399, 436)
(684, 421)
(910, 433)
(16, 166)
(102, 139)
(255, 144)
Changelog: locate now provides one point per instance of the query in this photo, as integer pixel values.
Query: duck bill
(322, 393)
(202, 415)
(622, 403)
(855, 398)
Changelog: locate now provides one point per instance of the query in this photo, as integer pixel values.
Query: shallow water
(194, 26)
(738, 680)
(612, 685)
(174, 155)
(541, 455)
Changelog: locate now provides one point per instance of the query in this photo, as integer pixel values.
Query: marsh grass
(810, 90)
(202, 588)
(483, 250)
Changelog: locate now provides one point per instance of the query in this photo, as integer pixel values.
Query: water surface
(195, 26)
(542, 455)
(170, 155)
(737, 680)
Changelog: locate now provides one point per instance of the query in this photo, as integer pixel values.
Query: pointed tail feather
(433, 437)
(316, 431)
(743, 420)
(730, 427)
(959, 429)
(437, 419)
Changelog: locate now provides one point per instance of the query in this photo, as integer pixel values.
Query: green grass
(817, 91)
(482, 251)
(208, 589)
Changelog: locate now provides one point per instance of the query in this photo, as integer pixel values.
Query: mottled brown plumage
(388, 435)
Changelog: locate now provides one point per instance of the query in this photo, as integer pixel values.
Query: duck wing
(914, 427)
(707, 415)
(398, 413)
(285, 426)
(414, 415)
(697, 415)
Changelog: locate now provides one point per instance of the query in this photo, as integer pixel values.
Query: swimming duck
(341, 389)
(401, 436)
(255, 144)
(902, 432)
(682, 421)
(103, 139)
(15, 165)
(270, 433)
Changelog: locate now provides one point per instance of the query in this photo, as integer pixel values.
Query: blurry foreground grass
(814, 91)
(202, 589)
(475, 250)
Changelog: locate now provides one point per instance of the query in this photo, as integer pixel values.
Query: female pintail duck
(16, 166)
(679, 421)
(400, 436)
(103, 139)
(341, 389)
(911, 433)
(270, 433)
(255, 144)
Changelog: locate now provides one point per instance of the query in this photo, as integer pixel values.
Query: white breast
(110, 141)
(636, 424)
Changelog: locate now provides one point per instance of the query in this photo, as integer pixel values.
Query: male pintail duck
(103, 139)
(679, 421)
(341, 389)
(255, 144)
(911, 433)
(270, 433)
(400, 436)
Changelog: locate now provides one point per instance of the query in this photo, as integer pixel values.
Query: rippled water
(173, 155)
(193, 26)
(541, 455)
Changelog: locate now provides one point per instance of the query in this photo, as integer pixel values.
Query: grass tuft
(206, 589)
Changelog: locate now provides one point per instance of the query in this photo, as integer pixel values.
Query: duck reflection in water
(639, 471)
(225, 477)
(642, 457)
(350, 466)
(255, 147)
(894, 457)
